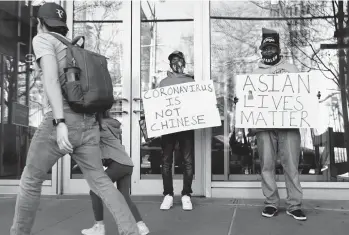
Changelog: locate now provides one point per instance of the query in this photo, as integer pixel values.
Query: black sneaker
(269, 211)
(297, 214)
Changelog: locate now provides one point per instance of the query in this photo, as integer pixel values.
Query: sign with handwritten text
(277, 100)
(181, 107)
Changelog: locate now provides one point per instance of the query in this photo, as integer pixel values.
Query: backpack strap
(61, 39)
(76, 39)
(69, 56)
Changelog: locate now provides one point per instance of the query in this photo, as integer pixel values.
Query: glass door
(107, 28)
(158, 29)
(21, 90)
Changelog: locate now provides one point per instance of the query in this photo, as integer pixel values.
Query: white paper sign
(182, 107)
(277, 100)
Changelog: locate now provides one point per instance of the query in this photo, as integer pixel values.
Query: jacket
(110, 143)
(176, 78)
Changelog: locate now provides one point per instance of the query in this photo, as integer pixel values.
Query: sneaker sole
(145, 233)
(165, 209)
(268, 215)
(187, 209)
(297, 218)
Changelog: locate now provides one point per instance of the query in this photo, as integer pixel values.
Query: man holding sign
(185, 140)
(283, 141)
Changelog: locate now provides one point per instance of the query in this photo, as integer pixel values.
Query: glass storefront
(233, 34)
(20, 87)
(236, 34)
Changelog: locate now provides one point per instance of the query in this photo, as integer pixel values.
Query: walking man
(63, 131)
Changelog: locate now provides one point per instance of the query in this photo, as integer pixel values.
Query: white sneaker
(167, 203)
(186, 203)
(97, 229)
(142, 228)
(325, 167)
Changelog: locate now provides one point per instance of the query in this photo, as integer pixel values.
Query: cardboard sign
(182, 107)
(277, 100)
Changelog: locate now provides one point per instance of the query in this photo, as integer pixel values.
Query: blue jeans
(43, 154)
(286, 143)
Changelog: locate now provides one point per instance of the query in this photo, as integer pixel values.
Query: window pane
(20, 89)
(235, 50)
(161, 10)
(158, 40)
(98, 10)
(271, 9)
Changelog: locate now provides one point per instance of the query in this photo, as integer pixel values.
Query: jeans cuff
(293, 208)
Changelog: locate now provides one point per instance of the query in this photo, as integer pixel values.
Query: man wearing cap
(62, 132)
(285, 142)
(185, 140)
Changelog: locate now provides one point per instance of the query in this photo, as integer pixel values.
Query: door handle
(138, 111)
(120, 99)
(137, 99)
(119, 112)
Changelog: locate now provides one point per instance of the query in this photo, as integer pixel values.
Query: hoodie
(110, 142)
(176, 78)
(282, 67)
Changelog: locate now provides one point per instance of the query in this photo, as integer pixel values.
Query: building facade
(220, 39)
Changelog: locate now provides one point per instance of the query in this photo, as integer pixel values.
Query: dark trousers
(121, 174)
(186, 145)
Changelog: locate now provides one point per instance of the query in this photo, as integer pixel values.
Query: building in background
(219, 41)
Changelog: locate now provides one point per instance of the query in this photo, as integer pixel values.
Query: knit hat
(269, 37)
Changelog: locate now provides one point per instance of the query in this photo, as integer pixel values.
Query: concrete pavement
(67, 215)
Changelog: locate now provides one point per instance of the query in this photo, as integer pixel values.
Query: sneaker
(186, 203)
(97, 229)
(325, 167)
(269, 211)
(297, 214)
(167, 203)
(142, 228)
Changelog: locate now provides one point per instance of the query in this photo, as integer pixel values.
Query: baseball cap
(269, 38)
(53, 14)
(176, 53)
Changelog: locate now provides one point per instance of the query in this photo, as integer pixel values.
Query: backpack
(93, 91)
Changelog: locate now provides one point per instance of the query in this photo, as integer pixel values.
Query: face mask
(177, 65)
(270, 56)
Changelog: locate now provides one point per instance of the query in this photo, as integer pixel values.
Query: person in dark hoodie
(285, 142)
(185, 140)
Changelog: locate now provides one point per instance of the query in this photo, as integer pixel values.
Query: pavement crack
(232, 220)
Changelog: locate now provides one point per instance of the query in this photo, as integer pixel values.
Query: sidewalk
(67, 215)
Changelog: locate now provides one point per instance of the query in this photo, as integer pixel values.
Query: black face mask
(177, 65)
(270, 56)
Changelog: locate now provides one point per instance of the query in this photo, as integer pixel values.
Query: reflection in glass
(97, 10)
(235, 50)
(20, 89)
(158, 41)
(164, 10)
(105, 39)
